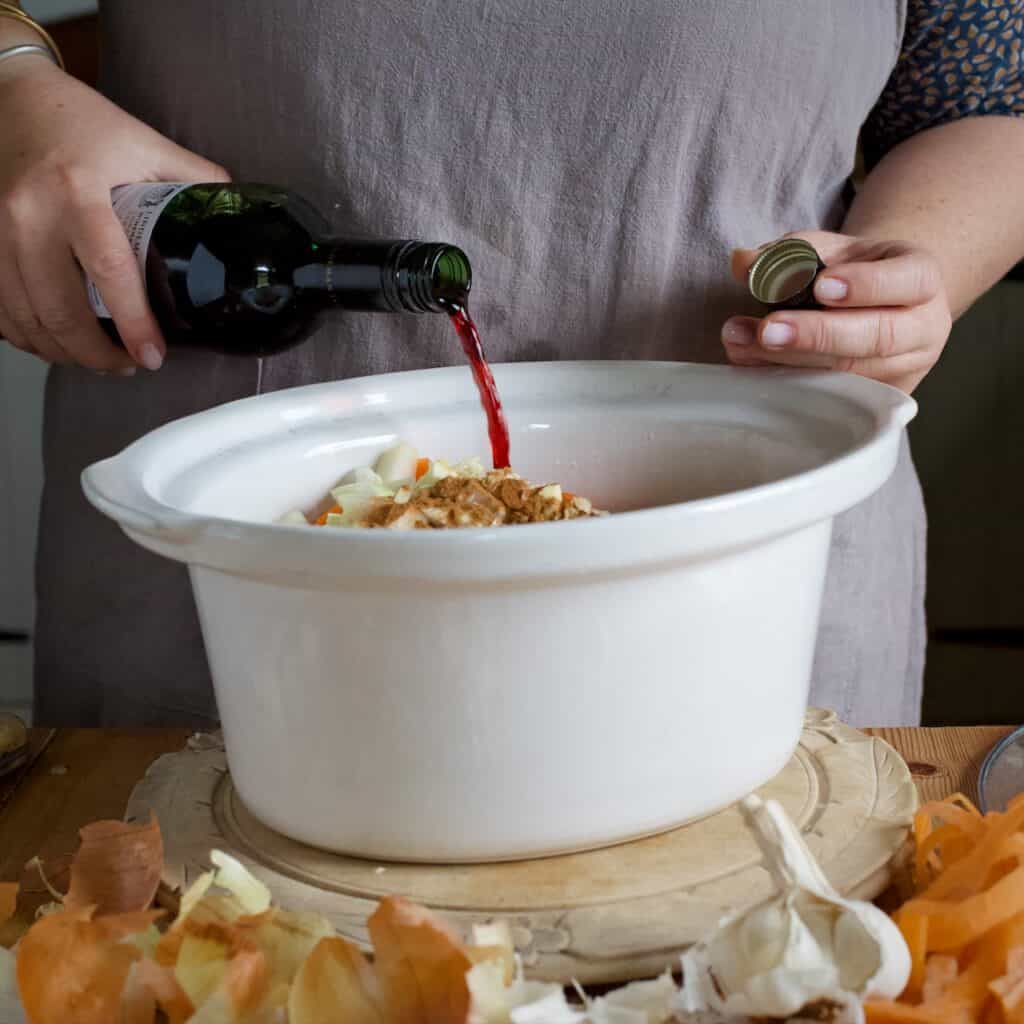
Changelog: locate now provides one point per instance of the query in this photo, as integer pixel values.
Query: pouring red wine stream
(497, 428)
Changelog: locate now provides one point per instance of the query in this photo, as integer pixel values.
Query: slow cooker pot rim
(118, 487)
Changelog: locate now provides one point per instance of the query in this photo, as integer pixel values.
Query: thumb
(830, 246)
(176, 163)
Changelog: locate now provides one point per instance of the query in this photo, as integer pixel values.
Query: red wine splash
(497, 428)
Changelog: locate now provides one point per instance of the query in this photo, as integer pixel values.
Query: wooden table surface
(75, 776)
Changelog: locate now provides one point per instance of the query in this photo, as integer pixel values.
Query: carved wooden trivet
(603, 916)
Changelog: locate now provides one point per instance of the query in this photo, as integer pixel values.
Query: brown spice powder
(499, 498)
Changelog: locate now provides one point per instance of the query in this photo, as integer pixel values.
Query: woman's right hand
(62, 149)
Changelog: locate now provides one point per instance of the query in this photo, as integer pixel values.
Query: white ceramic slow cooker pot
(504, 693)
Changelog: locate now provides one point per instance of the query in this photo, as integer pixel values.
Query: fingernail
(128, 371)
(831, 289)
(777, 333)
(738, 332)
(150, 357)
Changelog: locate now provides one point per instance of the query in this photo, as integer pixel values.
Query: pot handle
(895, 407)
(114, 490)
(902, 407)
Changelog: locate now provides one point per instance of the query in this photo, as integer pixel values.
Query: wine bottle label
(138, 207)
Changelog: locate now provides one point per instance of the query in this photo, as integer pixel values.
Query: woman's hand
(63, 147)
(887, 318)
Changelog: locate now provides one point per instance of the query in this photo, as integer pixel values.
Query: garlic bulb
(804, 949)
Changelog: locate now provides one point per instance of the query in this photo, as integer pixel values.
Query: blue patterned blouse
(959, 57)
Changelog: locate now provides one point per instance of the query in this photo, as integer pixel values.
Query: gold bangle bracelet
(15, 13)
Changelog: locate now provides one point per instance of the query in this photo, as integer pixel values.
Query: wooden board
(602, 916)
(944, 761)
(10, 782)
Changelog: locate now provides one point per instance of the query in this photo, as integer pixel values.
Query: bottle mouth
(784, 273)
(451, 277)
(432, 277)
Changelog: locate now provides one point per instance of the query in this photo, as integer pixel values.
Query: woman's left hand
(887, 314)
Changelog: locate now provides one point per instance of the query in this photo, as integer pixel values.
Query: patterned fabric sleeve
(959, 58)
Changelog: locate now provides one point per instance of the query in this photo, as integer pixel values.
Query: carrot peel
(964, 926)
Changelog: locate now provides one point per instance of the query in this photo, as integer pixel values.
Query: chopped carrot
(333, 510)
(422, 467)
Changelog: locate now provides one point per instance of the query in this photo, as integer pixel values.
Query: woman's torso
(597, 160)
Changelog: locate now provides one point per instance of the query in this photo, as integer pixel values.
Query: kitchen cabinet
(968, 443)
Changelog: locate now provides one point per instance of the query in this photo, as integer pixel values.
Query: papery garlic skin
(522, 1002)
(489, 999)
(640, 1002)
(532, 1002)
(802, 946)
(252, 895)
(552, 1008)
(500, 994)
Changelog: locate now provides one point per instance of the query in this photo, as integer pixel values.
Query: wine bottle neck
(384, 276)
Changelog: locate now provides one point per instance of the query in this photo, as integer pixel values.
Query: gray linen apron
(597, 159)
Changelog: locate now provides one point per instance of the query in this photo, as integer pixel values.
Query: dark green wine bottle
(253, 269)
